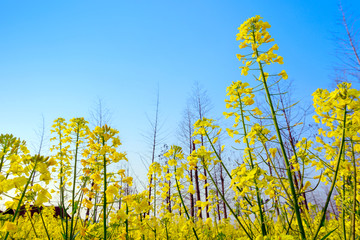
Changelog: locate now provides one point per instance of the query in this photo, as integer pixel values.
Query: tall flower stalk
(103, 143)
(175, 154)
(79, 130)
(253, 33)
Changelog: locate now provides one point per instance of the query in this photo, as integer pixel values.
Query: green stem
(127, 223)
(23, 193)
(322, 219)
(286, 160)
(154, 180)
(262, 221)
(74, 209)
(105, 187)
(182, 201)
(42, 219)
(141, 220)
(223, 198)
(222, 164)
(3, 158)
(32, 224)
(167, 234)
(343, 209)
(62, 190)
(353, 218)
(79, 206)
(278, 177)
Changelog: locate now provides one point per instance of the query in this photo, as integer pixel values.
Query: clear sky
(58, 57)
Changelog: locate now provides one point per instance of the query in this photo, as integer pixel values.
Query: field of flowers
(267, 195)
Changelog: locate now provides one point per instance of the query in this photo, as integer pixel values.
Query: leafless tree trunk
(223, 190)
(154, 139)
(155, 129)
(201, 105)
(99, 116)
(286, 109)
(197, 185)
(198, 107)
(185, 132)
(41, 135)
(168, 198)
(217, 194)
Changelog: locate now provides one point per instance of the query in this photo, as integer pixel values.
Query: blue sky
(58, 57)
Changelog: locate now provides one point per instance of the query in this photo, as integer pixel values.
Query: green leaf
(328, 234)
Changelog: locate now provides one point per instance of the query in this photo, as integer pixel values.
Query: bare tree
(153, 137)
(291, 120)
(40, 133)
(201, 107)
(185, 132)
(198, 107)
(347, 51)
(220, 171)
(99, 114)
(41, 136)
